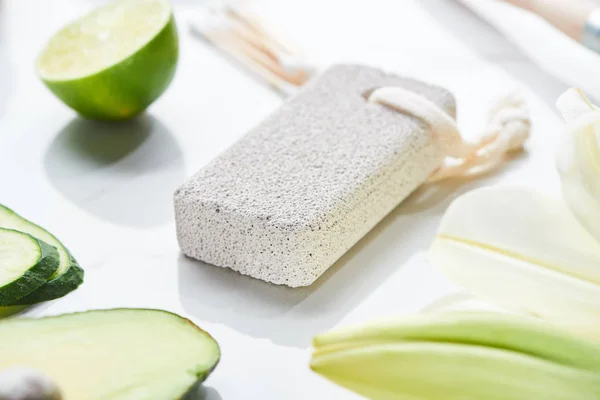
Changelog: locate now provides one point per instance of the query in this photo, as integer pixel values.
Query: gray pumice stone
(288, 199)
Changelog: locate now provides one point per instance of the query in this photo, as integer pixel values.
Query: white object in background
(547, 46)
(591, 31)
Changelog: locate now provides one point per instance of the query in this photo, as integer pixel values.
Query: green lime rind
(33, 277)
(128, 87)
(66, 279)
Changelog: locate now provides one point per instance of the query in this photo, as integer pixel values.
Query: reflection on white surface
(291, 317)
(203, 393)
(547, 46)
(123, 172)
(460, 22)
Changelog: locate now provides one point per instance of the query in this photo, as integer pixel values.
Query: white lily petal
(573, 104)
(578, 158)
(523, 251)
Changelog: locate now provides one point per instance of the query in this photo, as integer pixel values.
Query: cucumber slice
(120, 354)
(68, 275)
(25, 264)
(9, 311)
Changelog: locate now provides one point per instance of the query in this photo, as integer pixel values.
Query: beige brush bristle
(248, 40)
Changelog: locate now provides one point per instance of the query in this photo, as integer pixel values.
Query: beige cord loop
(508, 129)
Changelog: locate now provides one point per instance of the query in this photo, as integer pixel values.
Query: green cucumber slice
(119, 354)
(26, 263)
(9, 311)
(68, 275)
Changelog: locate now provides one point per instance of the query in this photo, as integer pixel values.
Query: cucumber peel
(9, 311)
(25, 265)
(119, 354)
(67, 277)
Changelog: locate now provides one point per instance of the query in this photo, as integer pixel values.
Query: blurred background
(407, 36)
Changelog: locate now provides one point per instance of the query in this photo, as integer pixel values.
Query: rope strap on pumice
(507, 130)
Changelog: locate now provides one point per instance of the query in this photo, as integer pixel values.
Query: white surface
(106, 190)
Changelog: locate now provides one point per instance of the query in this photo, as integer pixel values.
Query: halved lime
(113, 63)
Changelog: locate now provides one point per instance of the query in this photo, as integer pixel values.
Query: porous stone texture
(287, 200)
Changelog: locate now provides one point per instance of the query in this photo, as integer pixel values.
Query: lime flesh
(114, 62)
